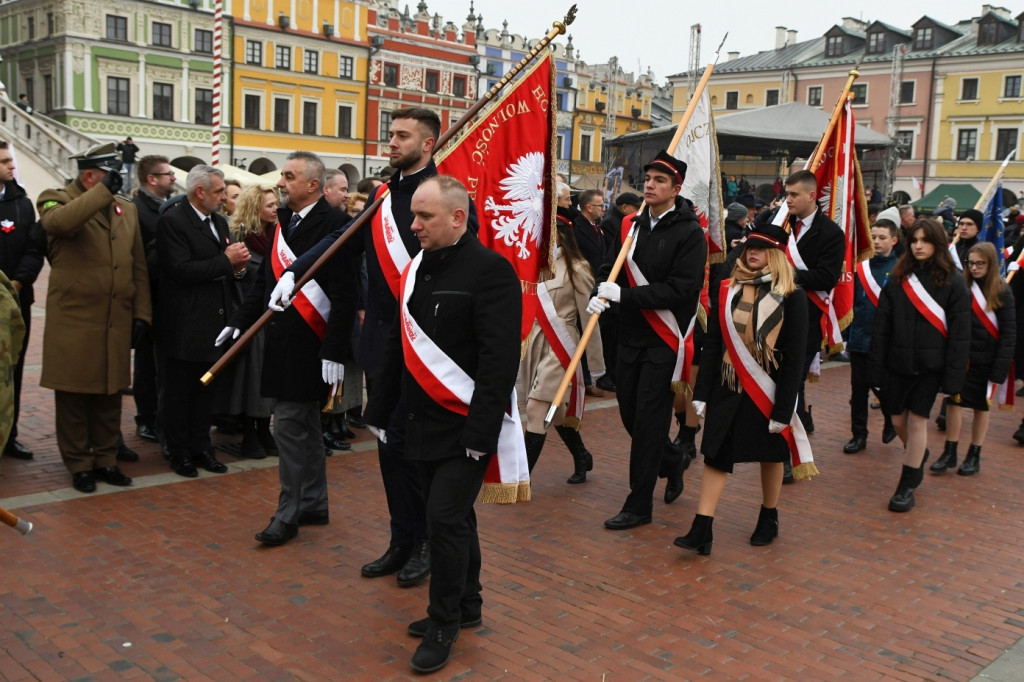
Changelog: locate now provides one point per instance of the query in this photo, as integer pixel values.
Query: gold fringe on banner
(803, 472)
(574, 423)
(505, 493)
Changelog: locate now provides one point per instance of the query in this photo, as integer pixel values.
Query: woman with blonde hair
(755, 343)
(254, 222)
(993, 335)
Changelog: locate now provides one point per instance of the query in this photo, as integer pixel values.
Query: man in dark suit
(465, 299)
(296, 364)
(198, 264)
(156, 183)
(586, 230)
(413, 133)
(821, 246)
(22, 248)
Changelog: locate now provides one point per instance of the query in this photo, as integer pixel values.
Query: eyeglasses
(976, 263)
(171, 173)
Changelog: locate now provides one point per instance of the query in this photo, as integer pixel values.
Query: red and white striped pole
(218, 19)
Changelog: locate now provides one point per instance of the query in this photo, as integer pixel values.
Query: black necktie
(293, 223)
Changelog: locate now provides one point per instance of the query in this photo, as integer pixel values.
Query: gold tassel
(702, 317)
(332, 399)
(716, 258)
(681, 388)
(803, 472)
(505, 493)
(572, 423)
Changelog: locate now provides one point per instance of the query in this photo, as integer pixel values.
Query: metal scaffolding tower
(693, 74)
(895, 151)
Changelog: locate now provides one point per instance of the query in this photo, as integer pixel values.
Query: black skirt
(914, 393)
(975, 392)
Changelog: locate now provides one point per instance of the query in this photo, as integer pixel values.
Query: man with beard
(414, 131)
(657, 292)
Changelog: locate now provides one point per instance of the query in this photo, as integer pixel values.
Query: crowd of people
(419, 314)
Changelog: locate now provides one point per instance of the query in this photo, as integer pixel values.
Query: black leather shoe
(606, 384)
(391, 562)
(889, 434)
(84, 481)
(314, 518)
(112, 475)
(332, 442)
(345, 432)
(626, 520)
(787, 472)
(435, 650)
(417, 567)
(1018, 435)
(209, 462)
(277, 533)
(679, 461)
(856, 444)
(147, 432)
(17, 450)
(126, 454)
(183, 466)
(419, 628)
(355, 420)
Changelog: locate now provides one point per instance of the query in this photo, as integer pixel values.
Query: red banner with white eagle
(505, 160)
(841, 192)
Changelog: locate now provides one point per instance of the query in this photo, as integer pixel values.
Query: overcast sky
(656, 33)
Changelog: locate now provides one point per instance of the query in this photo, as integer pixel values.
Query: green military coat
(98, 285)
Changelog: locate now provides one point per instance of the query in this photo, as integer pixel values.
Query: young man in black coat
(670, 251)
(198, 264)
(467, 300)
(298, 366)
(22, 248)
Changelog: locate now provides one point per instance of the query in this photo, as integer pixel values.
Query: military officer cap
(768, 236)
(101, 156)
(666, 163)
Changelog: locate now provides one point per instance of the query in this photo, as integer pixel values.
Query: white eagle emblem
(524, 190)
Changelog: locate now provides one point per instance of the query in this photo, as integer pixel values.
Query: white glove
(699, 406)
(1013, 266)
(227, 333)
(333, 372)
(609, 291)
(475, 454)
(281, 296)
(597, 306)
(775, 427)
(379, 433)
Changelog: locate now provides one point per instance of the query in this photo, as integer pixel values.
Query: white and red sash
(507, 479)
(563, 346)
(392, 254)
(956, 256)
(872, 289)
(760, 386)
(822, 299)
(664, 323)
(1002, 393)
(311, 302)
(925, 304)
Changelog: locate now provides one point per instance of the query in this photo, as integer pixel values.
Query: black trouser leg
(859, 393)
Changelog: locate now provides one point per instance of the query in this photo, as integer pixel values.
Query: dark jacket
(468, 300)
(22, 241)
(196, 283)
(672, 258)
(986, 350)
(863, 309)
(733, 231)
(823, 249)
(128, 151)
(907, 344)
(1017, 287)
(611, 227)
(590, 239)
(735, 413)
(293, 351)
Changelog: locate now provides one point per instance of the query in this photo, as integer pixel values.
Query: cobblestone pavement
(164, 581)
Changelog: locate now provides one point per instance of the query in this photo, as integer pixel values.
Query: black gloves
(113, 181)
(140, 331)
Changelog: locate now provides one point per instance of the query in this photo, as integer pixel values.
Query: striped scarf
(757, 315)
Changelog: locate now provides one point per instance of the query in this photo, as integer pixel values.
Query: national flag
(505, 159)
(992, 231)
(698, 148)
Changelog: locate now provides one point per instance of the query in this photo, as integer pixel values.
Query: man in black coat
(467, 300)
(413, 133)
(588, 235)
(822, 247)
(297, 366)
(156, 183)
(22, 248)
(670, 251)
(198, 264)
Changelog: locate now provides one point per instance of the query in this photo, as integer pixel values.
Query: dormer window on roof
(924, 38)
(988, 33)
(834, 46)
(876, 42)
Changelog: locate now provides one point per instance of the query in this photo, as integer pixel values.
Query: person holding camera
(97, 305)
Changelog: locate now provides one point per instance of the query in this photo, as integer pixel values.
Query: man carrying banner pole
(452, 361)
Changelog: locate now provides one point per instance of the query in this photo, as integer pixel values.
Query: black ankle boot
(767, 528)
(947, 460)
(582, 460)
(972, 462)
(699, 538)
(251, 446)
(534, 444)
(910, 478)
(265, 436)
(681, 422)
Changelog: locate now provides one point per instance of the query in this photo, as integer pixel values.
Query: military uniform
(12, 337)
(98, 286)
